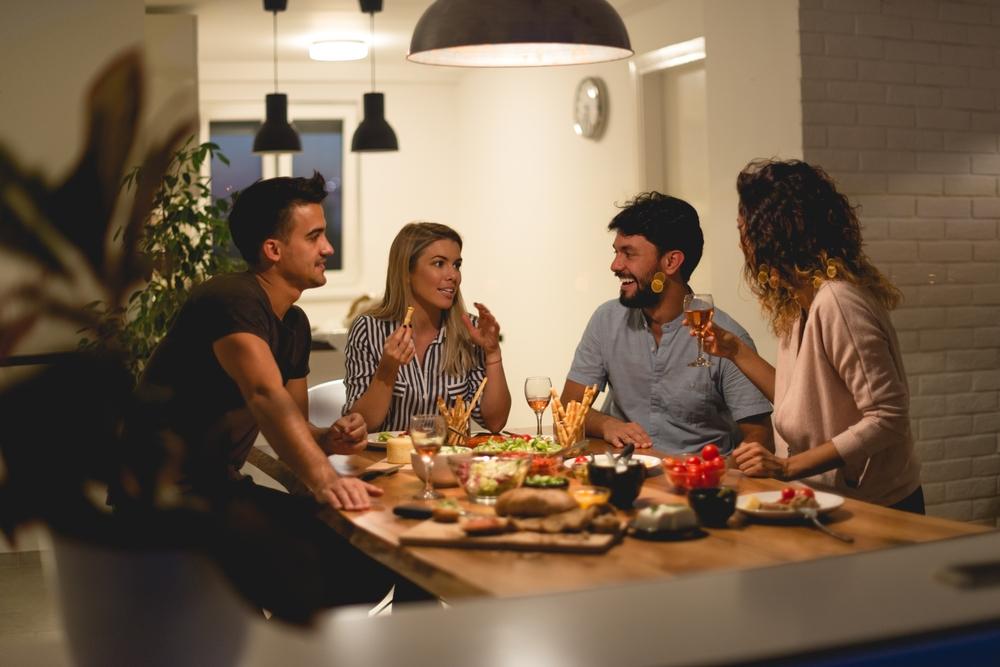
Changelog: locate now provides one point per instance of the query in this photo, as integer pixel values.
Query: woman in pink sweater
(841, 401)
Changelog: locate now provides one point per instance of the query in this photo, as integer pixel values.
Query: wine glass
(537, 391)
(699, 309)
(427, 432)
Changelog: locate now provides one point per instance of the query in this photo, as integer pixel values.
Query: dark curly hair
(667, 222)
(796, 227)
(263, 210)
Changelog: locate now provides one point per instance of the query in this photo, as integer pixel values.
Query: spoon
(811, 514)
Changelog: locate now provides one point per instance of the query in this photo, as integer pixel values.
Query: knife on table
(369, 475)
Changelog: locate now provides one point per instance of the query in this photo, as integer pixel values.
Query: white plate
(649, 461)
(375, 443)
(827, 503)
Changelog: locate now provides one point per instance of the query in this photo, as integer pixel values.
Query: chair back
(326, 401)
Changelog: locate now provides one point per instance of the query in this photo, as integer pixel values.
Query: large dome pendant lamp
(276, 135)
(519, 33)
(373, 133)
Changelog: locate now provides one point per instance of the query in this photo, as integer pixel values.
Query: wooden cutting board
(431, 533)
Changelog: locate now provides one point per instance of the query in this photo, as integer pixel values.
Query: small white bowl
(441, 474)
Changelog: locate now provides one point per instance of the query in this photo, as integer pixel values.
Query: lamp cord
(274, 57)
(372, 48)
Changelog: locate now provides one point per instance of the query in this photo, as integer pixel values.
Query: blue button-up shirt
(682, 408)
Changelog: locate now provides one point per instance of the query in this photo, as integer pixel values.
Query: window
(322, 129)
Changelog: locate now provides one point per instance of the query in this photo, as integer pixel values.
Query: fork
(811, 514)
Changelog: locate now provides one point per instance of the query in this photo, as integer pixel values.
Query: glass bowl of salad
(441, 473)
(484, 478)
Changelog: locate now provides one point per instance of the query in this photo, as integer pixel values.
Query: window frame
(340, 284)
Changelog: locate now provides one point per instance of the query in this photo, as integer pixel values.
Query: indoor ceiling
(241, 31)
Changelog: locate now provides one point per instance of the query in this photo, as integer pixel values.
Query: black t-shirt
(205, 406)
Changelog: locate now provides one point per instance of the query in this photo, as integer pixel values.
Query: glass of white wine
(699, 310)
(427, 432)
(537, 391)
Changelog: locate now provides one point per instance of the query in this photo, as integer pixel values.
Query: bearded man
(639, 347)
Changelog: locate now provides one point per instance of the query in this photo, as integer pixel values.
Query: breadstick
(475, 398)
(408, 316)
(563, 435)
(557, 408)
(443, 409)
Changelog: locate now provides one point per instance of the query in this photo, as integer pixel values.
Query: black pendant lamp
(373, 133)
(276, 135)
(519, 33)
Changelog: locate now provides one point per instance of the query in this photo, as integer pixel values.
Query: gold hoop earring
(658, 281)
(831, 269)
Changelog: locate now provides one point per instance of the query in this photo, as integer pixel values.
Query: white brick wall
(901, 104)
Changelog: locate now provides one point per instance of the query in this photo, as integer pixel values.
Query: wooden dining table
(456, 573)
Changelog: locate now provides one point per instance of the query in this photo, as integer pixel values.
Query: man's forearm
(291, 435)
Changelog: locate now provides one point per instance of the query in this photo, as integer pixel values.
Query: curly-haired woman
(841, 401)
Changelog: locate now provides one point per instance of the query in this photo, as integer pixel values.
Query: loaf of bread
(534, 502)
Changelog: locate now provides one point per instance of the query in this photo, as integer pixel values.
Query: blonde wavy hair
(409, 244)
(795, 227)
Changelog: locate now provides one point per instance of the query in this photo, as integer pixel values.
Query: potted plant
(139, 586)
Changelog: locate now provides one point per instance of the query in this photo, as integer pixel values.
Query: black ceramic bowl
(713, 506)
(625, 483)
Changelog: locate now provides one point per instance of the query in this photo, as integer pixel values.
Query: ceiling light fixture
(518, 33)
(276, 135)
(338, 50)
(373, 133)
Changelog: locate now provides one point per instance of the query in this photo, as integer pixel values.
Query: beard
(644, 296)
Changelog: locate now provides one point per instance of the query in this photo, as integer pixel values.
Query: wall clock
(590, 108)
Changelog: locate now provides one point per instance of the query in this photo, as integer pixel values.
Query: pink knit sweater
(840, 377)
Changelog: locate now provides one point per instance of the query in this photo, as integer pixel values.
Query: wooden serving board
(431, 533)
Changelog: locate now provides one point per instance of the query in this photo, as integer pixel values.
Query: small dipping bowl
(713, 506)
(625, 481)
(588, 496)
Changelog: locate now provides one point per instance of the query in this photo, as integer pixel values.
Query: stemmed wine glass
(537, 391)
(699, 309)
(427, 432)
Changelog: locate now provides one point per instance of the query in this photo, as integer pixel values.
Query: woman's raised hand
(718, 341)
(397, 351)
(486, 334)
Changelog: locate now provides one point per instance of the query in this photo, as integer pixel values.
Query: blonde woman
(395, 370)
(841, 402)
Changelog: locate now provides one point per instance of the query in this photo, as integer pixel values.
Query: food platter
(375, 443)
(664, 535)
(827, 503)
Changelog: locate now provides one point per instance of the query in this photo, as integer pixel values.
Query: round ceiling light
(338, 50)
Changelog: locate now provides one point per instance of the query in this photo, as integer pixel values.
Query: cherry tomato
(580, 459)
(706, 480)
(806, 492)
(692, 461)
(526, 437)
(669, 462)
(718, 463)
(787, 493)
(709, 452)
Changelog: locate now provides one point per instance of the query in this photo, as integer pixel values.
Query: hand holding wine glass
(699, 310)
(538, 393)
(428, 433)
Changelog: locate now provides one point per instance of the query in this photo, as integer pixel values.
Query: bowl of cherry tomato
(696, 472)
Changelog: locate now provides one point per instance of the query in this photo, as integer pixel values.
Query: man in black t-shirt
(233, 364)
(236, 359)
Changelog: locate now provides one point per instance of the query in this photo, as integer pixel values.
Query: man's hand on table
(345, 493)
(619, 434)
(347, 435)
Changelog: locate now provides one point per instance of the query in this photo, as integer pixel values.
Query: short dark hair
(667, 222)
(263, 210)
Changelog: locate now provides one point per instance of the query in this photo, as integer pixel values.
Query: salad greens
(534, 445)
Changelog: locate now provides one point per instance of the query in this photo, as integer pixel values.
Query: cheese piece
(669, 516)
(398, 449)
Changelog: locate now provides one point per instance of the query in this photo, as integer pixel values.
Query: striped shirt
(417, 386)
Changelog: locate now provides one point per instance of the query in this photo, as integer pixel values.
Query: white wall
(534, 203)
